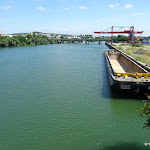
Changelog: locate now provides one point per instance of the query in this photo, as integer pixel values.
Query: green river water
(57, 97)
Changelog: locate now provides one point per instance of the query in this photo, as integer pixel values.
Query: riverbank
(139, 52)
(29, 40)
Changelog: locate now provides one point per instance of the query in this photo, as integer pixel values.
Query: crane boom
(131, 33)
(138, 32)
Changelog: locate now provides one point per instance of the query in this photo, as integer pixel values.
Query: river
(57, 97)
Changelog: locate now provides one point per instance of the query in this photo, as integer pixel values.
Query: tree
(24, 41)
(34, 34)
(4, 43)
(13, 41)
(29, 36)
(30, 43)
(115, 40)
(1, 37)
(44, 36)
(52, 41)
(145, 111)
(21, 39)
(135, 39)
(62, 37)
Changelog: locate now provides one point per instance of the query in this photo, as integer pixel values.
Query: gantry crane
(131, 32)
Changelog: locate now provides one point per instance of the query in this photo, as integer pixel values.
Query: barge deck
(119, 66)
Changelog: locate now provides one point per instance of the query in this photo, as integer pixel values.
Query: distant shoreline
(29, 40)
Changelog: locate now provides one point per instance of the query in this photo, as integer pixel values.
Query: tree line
(28, 40)
(122, 38)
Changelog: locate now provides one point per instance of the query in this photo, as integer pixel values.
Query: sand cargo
(125, 74)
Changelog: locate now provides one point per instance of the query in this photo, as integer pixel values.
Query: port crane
(131, 31)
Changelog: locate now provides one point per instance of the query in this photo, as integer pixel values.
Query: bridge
(76, 41)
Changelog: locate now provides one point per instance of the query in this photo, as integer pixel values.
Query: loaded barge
(125, 74)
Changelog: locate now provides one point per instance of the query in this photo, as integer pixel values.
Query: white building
(10, 35)
(1, 34)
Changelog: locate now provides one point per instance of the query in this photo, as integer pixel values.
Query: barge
(125, 74)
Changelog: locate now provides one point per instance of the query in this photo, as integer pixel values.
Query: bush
(137, 45)
(145, 111)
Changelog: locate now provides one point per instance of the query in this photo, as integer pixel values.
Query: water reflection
(126, 95)
(125, 146)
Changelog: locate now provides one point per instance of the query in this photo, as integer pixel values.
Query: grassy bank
(139, 52)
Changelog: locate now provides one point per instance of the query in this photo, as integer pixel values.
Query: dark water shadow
(127, 96)
(126, 146)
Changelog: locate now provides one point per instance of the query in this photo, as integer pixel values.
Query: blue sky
(72, 16)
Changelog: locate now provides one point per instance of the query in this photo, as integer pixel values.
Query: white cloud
(112, 6)
(83, 7)
(67, 8)
(42, 8)
(5, 7)
(128, 6)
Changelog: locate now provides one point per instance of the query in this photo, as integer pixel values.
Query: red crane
(131, 32)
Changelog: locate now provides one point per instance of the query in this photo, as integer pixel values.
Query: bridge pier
(75, 42)
(64, 42)
(87, 42)
(100, 42)
(59, 41)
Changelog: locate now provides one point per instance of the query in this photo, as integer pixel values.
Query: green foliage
(62, 37)
(52, 41)
(34, 34)
(145, 111)
(137, 45)
(121, 38)
(1, 37)
(4, 43)
(115, 40)
(13, 42)
(135, 39)
(29, 36)
(21, 39)
(29, 40)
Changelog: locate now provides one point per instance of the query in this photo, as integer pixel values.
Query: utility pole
(111, 34)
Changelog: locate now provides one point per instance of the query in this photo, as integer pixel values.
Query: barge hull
(125, 86)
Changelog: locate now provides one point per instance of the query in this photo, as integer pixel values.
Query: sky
(73, 16)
